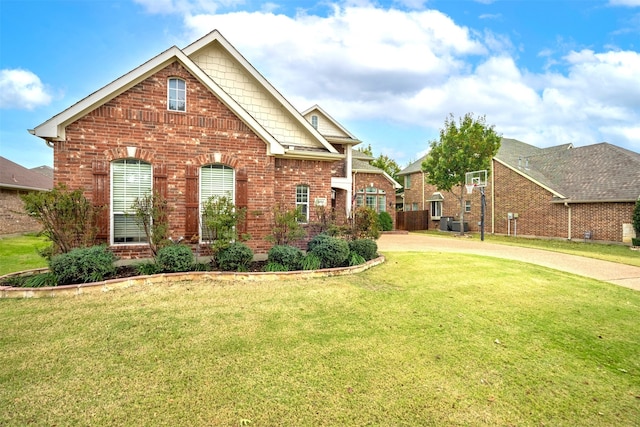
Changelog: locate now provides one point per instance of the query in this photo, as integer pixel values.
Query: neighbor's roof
(363, 166)
(594, 173)
(413, 167)
(14, 176)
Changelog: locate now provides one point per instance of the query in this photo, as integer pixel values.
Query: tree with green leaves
(464, 146)
(66, 216)
(383, 162)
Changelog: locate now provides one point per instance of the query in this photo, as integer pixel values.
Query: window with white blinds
(130, 179)
(215, 180)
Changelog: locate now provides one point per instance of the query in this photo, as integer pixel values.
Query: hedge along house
(189, 124)
(563, 192)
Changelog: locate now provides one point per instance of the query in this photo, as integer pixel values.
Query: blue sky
(544, 72)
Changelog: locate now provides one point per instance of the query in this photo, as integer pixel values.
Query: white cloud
(630, 3)
(412, 68)
(22, 89)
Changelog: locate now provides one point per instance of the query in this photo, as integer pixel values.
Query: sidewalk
(618, 274)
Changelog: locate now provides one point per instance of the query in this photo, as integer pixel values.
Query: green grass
(411, 342)
(19, 253)
(607, 252)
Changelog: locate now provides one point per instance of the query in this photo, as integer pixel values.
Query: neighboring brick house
(355, 181)
(557, 192)
(16, 180)
(419, 195)
(191, 123)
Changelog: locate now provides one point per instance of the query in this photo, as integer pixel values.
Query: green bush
(366, 248)
(310, 261)
(235, 257)
(175, 258)
(83, 265)
(385, 221)
(356, 259)
(366, 224)
(288, 256)
(316, 240)
(333, 252)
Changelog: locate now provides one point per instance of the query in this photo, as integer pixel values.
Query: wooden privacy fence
(412, 220)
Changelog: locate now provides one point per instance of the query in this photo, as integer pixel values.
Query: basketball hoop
(470, 188)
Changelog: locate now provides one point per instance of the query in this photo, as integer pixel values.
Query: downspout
(569, 219)
(493, 198)
(424, 207)
(351, 197)
(351, 174)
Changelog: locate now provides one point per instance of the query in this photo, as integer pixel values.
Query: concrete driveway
(618, 274)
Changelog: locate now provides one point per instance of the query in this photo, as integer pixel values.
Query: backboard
(476, 178)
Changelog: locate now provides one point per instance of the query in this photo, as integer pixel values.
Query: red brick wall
(139, 118)
(450, 204)
(538, 216)
(13, 218)
(363, 180)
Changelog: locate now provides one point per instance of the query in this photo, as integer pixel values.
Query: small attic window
(314, 121)
(177, 95)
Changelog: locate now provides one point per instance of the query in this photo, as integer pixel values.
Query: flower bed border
(212, 276)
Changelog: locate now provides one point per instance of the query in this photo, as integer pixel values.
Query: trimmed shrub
(235, 257)
(175, 258)
(310, 261)
(356, 259)
(386, 223)
(289, 257)
(366, 248)
(83, 265)
(333, 252)
(316, 240)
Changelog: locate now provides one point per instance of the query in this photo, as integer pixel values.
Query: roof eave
(215, 35)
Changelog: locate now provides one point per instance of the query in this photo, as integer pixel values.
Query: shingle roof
(413, 167)
(600, 172)
(12, 175)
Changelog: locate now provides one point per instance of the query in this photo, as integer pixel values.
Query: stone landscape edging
(214, 276)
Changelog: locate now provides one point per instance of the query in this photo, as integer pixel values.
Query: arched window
(177, 95)
(215, 180)
(130, 180)
(373, 198)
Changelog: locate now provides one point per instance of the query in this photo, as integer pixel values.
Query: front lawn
(424, 339)
(19, 253)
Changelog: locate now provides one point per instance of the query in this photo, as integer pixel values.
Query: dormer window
(314, 122)
(177, 95)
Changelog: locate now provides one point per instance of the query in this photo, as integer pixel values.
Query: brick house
(355, 181)
(562, 192)
(192, 123)
(16, 180)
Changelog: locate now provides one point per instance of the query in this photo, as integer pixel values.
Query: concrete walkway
(618, 274)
